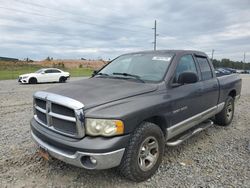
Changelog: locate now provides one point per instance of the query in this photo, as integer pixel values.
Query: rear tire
(32, 81)
(62, 79)
(225, 117)
(144, 153)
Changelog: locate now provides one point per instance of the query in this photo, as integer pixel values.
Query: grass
(11, 70)
(76, 72)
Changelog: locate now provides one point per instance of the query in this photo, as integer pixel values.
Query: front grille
(41, 103)
(65, 126)
(41, 116)
(62, 110)
(60, 114)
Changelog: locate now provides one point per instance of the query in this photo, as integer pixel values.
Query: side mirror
(187, 78)
(42, 72)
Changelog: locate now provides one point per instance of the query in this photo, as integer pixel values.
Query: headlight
(104, 127)
(24, 77)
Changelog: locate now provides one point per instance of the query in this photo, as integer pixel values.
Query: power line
(78, 21)
(71, 35)
(60, 10)
(26, 12)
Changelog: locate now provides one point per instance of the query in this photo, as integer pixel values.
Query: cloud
(95, 28)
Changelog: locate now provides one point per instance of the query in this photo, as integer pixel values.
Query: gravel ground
(217, 157)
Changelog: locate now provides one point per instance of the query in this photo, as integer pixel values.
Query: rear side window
(206, 72)
(55, 71)
(52, 71)
(186, 64)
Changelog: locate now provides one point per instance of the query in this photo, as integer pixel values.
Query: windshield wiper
(129, 75)
(102, 74)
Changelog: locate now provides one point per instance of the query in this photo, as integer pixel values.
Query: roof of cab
(170, 51)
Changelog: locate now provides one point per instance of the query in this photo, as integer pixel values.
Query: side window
(186, 64)
(55, 71)
(206, 72)
(47, 71)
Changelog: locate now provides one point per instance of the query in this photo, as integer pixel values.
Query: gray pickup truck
(125, 114)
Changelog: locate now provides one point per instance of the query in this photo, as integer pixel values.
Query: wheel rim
(148, 153)
(229, 111)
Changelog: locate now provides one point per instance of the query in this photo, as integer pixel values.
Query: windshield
(147, 67)
(39, 71)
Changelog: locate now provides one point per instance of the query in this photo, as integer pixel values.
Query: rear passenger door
(210, 86)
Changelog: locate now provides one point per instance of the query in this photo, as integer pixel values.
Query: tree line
(231, 64)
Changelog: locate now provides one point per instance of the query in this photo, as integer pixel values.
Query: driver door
(185, 99)
(46, 76)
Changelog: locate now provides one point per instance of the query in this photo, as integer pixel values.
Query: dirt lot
(93, 64)
(217, 157)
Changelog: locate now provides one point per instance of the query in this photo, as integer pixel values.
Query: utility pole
(212, 54)
(244, 60)
(155, 35)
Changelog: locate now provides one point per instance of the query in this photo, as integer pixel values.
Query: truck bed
(227, 83)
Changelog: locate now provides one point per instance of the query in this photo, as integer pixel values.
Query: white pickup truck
(44, 75)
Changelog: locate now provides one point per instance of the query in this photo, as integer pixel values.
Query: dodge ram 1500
(125, 114)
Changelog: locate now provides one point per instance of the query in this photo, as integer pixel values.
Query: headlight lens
(24, 77)
(104, 127)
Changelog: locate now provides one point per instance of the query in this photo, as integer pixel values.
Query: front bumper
(82, 159)
(107, 152)
(23, 80)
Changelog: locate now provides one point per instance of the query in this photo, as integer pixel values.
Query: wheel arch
(159, 121)
(62, 78)
(32, 77)
(232, 93)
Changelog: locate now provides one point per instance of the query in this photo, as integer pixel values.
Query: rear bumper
(83, 159)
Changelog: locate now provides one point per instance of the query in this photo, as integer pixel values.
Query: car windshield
(39, 71)
(146, 67)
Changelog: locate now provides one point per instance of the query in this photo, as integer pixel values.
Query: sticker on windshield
(157, 58)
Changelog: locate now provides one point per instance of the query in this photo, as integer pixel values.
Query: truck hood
(97, 91)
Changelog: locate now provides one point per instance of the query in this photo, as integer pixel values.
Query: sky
(92, 29)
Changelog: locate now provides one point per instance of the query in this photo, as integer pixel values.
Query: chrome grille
(62, 110)
(40, 103)
(41, 116)
(65, 126)
(60, 114)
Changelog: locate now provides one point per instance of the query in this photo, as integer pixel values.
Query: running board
(179, 139)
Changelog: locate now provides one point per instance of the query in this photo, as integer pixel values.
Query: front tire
(225, 117)
(62, 79)
(144, 153)
(32, 81)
